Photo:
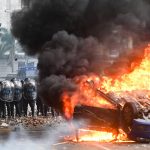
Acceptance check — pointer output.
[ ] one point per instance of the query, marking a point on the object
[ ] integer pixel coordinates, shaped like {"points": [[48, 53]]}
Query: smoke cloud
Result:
{"points": [[70, 37], [63, 58], [36, 25]]}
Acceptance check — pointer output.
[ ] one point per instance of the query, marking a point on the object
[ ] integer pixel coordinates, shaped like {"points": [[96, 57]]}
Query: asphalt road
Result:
{"points": [[51, 139], [44, 140], [100, 146]]}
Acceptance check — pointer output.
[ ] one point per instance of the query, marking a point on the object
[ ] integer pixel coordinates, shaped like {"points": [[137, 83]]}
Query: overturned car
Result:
{"points": [[131, 112]]}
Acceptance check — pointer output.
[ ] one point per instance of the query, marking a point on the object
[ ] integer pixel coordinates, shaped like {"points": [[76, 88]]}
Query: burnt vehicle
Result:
{"points": [[131, 112], [136, 115]]}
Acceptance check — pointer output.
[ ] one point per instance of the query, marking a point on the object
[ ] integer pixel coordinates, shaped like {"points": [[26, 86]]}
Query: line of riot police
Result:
{"points": [[16, 95]]}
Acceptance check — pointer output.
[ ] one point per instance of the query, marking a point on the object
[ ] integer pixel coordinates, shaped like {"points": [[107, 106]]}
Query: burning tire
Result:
{"points": [[129, 112]]}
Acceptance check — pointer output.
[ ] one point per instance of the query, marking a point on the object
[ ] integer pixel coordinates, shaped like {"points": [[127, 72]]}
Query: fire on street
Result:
{"points": [[43, 140]]}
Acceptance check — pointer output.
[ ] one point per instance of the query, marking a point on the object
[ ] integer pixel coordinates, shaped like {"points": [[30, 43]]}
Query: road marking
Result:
{"points": [[60, 143], [101, 146]]}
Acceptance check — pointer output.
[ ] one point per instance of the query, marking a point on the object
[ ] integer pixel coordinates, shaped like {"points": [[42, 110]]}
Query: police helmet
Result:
{"points": [[13, 79], [27, 79]]}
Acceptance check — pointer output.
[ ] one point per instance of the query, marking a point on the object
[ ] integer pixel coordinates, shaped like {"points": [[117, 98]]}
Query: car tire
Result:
{"points": [[129, 112]]}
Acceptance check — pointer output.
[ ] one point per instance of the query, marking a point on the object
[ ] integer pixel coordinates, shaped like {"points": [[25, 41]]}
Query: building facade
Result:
{"points": [[10, 65], [6, 8]]}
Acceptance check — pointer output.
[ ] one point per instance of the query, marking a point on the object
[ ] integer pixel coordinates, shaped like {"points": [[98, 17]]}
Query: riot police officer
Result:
{"points": [[2, 104], [41, 107], [45, 109], [17, 96], [21, 102], [29, 95], [7, 95]]}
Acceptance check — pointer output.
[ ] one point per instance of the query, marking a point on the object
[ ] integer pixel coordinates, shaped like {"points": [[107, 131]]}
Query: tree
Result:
{"points": [[6, 42]]}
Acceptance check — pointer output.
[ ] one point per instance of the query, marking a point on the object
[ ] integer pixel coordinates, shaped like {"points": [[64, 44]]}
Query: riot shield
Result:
{"points": [[17, 91], [6, 93], [30, 90]]}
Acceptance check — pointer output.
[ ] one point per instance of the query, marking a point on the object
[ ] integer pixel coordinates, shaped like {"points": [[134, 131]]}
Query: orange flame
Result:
{"points": [[138, 79], [86, 93], [86, 135], [97, 136], [69, 102]]}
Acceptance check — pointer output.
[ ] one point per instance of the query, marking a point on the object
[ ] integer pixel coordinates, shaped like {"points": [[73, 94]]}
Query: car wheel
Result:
{"points": [[129, 112]]}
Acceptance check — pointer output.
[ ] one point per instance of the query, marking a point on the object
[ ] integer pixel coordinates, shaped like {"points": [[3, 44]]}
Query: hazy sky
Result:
{"points": [[6, 7]]}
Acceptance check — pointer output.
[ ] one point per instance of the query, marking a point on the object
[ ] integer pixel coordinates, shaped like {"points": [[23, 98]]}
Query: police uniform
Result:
{"points": [[45, 109], [29, 95], [7, 95], [21, 102], [17, 96], [41, 107]]}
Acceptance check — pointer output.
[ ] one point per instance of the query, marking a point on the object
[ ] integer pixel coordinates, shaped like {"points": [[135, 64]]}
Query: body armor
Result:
{"points": [[7, 88], [29, 90], [17, 90]]}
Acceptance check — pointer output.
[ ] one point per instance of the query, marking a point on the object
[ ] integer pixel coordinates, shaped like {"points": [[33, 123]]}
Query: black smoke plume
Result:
{"points": [[63, 58], [36, 25], [67, 36]]}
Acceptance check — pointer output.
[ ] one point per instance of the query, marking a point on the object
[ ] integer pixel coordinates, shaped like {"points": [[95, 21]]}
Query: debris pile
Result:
{"points": [[34, 123], [40, 122]]}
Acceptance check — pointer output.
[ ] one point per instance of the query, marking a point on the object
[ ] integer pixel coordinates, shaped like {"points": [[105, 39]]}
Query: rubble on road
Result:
{"points": [[33, 123], [4, 127]]}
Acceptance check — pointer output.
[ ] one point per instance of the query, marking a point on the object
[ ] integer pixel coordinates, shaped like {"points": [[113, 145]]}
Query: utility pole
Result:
{"points": [[12, 56]]}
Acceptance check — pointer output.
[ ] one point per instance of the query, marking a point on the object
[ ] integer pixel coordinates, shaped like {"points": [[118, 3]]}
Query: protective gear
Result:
{"points": [[2, 109], [6, 96], [29, 95], [13, 79], [17, 97], [41, 107], [21, 102], [7, 91], [17, 90], [29, 90], [26, 80], [22, 82]]}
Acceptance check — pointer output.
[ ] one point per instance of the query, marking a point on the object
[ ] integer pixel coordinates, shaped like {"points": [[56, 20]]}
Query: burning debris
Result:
{"points": [[87, 135]]}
